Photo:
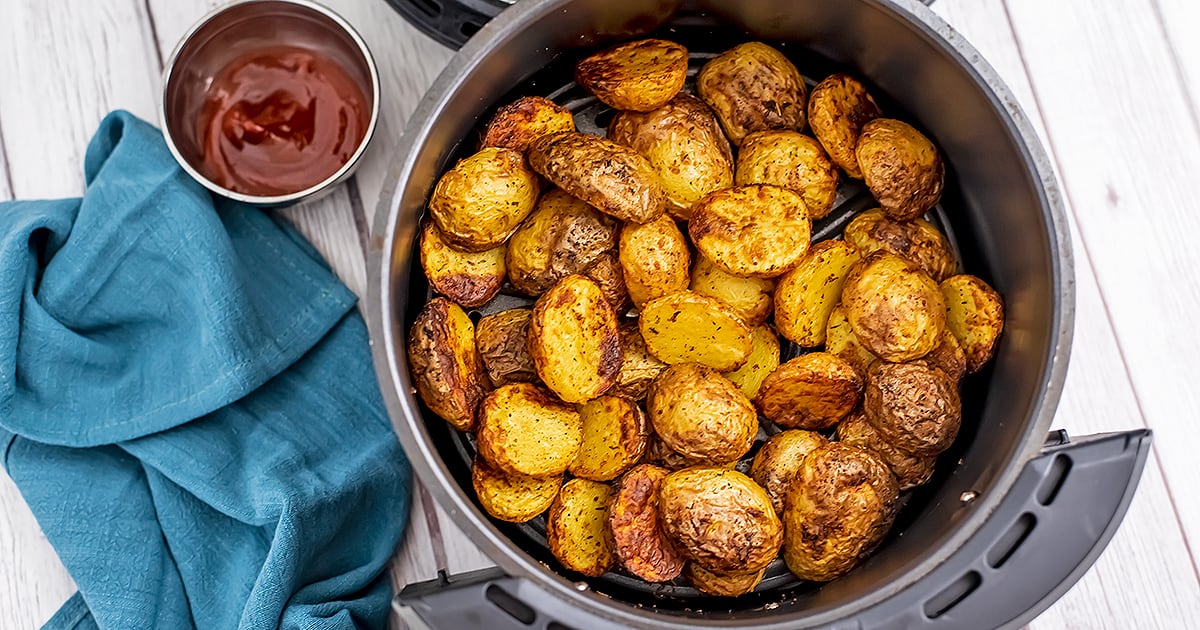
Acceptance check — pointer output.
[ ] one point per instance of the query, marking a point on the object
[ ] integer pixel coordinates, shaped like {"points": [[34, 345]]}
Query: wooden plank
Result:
{"points": [[1180, 19], [33, 582]]}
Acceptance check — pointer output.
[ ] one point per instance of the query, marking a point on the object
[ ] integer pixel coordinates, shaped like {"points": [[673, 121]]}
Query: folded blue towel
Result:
{"points": [[187, 404]]}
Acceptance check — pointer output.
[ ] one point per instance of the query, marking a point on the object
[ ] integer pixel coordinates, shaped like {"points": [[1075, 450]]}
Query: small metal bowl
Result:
{"points": [[227, 33]]}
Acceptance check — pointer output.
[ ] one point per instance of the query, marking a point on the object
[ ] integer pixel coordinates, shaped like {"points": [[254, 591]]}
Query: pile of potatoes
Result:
{"points": [[667, 261]]}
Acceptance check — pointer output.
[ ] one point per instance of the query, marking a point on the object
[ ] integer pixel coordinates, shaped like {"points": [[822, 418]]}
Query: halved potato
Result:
{"points": [[778, 460], [913, 406], [688, 327], [949, 356], [577, 530], [750, 298], [807, 295], [753, 87], [917, 241], [790, 160], [613, 178], [720, 519], [524, 120], [901, 168], [654, 259], [607, 273], [615, 433], [896, 310], [469, 279], [841, 341], [701, 414], [722, 584], [764, 358], [643, 548], [759, 231], [812, 391], [838, 108], [503, 342], [562, 236], [638, 367], [480, 202], [910, 470], [975, 314], [445, 363], [524, 430], [638, 76], [512, 498], [574, 341]]}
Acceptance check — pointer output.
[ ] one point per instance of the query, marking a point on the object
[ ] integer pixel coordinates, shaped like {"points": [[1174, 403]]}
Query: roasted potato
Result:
{"points": [[638, 367], [562, 236], [780, 458], [503, 342], [790, 160], [469, 279], [910, 470], [615, 433], [683, 142], [480, 202], [577, 530], [574, 341], [896, 310], [720, 519], [607, 273], [663, 456], [688, 327], [512, 498], [613, 178], [701, 414], [722, 584], [654, 259], [812, 391], [524, 430], [753, 87], [917, 241], [975, 314], [637, 76], [445, 364], [644, 550], [913, 406], [838, 108], [807, 295], [901, 168], [838, 509], [948, 356], [750, 298], [524, 120], [841, 341], [757, 231], [764, 358]]}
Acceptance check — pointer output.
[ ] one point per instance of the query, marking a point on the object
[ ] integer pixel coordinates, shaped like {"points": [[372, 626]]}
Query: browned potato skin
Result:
{"points": [[838, 108], [749, 297], [574, 341], [524, 120], [654, 259], [812, 391], [644, 550], [895, 309], [910, 470], [757, 231], [445, 364], [790, 160], [637, 76], [975, 314], [913, 406], [512, 498], [562, 236], [917, 241], [701, 414], [480, 202], [753, 87], [525, 430], [777, 462], [503, 345], [722, 584], [683, 142], [764, 358], [607, 273], [469, 279], [807, 294], [663, 456], [615, 433], [638, 367], [842, 341], [948, 356], [687, 327], [839, 508], [720, 519], [901, 167], [577, 530], [613, 178]]}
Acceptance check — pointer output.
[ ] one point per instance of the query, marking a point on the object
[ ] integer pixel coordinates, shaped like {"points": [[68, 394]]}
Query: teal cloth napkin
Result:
{"points": [[188, 406]]}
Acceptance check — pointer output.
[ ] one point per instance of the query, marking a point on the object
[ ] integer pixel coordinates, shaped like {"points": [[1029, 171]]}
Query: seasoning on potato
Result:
{"points": [[524, 120], [615, 433], [574, 341], [445, 364], [812, 391], [790, 160], [577, 530], [838, 108], [901, 168], [634, 516], [948, 356], [480, 202], [562, 236], [975, 314], [637, 76], [764, 358], [503, 343], [722, 584], [663, 456], [750, 298], [895, 309], [525, 430], [512, 498], [841, 341], [701, 414], [613, 178], [806, 296], [779, 459], [654, 259], [753, 87], [720, 519], [910, 470], [913, 406], [756, 231], [607, 273], [917, 241], [469, 279], [638, 367], [687, 327]]}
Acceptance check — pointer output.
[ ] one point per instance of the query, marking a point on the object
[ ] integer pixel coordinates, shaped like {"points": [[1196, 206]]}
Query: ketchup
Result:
{"points": [[278, 120]]}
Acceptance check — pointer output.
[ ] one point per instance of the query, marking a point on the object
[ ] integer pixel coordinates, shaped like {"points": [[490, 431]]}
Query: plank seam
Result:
{"points": [[359, 213], [158, 53], [1176, 65], [8, 178]]}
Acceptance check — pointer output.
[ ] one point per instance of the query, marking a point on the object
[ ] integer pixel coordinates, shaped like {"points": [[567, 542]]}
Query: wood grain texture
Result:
{"points": [[1180, 19]]}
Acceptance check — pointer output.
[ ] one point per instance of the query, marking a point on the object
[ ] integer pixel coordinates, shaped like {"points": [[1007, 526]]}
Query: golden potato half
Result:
{"points": [[613, 178], [901, 168], [758, 231], [525, 430], [687, 327], [910, 470], [503, 342], [701, 414], [469, 279], [654, 259], [445, 363], [753, 87], [914, 407], [643, 548], [480, 202], [636, 76], [896, 310], [812, 391], [838, 509], [683, 142], [577, 530], [607, 273], [764, 358], [720, 519], [841, 341], [722, 584], [838, 108], [777, 462], [512, 498], [917, 241], [975, 314], [750, 298], [615, 433], [638, 367], [562, 236], [806, 296], [790, 160], [524, 120], [574, 341]]}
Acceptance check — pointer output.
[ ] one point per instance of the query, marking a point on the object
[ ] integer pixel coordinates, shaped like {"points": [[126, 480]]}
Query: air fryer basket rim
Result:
{"points": [[387, 336]]}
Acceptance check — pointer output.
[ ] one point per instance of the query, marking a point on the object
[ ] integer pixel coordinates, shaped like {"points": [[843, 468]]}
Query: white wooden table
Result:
{"points": [[1112, 87]]}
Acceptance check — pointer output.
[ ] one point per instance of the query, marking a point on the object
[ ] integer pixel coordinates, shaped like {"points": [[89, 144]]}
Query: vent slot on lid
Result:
{"points": [[1055, 477], [950, 596], [1012, 539], [509, 604]]}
